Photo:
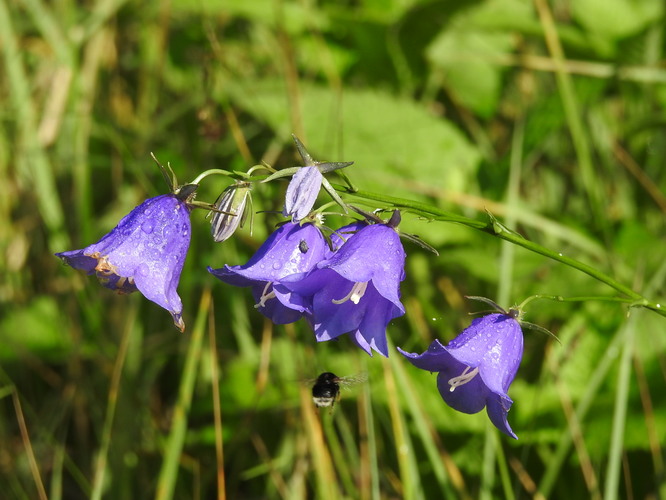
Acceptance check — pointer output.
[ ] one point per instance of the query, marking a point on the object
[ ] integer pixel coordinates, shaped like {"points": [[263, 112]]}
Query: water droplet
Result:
{"points": [[276, 265], [148, 226], [142, 270]]}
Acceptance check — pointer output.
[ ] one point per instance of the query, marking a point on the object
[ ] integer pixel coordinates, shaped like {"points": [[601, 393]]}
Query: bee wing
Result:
{"points": [[352, 380], [309, 382]]}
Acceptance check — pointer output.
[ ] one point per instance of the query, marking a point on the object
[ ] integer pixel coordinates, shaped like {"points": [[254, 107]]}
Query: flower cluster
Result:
{"points": [[352, 287], [343, 282]]}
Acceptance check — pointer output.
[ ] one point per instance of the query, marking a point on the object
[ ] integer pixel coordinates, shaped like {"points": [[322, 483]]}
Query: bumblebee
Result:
{"points": [[326, 388]]}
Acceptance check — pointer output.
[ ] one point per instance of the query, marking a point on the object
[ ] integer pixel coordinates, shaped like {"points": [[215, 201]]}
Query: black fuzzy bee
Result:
{"points": [[326, 388]]}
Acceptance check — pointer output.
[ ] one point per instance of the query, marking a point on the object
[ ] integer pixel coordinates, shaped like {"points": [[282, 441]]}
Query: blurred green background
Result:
{"points": [[549, 114]]}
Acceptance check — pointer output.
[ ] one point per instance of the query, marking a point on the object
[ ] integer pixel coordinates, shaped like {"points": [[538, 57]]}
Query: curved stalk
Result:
{"points": [[495, 228]]}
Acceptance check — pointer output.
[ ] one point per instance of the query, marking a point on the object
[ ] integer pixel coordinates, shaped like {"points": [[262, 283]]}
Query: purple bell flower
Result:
{"points": [[477, 367], [356, 290], [145, 251], [292, 249], [302, 192]]}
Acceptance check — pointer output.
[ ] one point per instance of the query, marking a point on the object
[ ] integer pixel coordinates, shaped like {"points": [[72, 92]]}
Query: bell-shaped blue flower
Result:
{"points": [[477, 367], [356, 290], [145, 251], [292, 249]]}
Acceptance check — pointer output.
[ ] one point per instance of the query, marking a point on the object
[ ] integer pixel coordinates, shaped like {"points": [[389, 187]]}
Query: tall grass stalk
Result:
{"points": [[573, 113], [411, 488], [101, 463], [168, 475], [32, 162], [217, 412], [616, 448]]}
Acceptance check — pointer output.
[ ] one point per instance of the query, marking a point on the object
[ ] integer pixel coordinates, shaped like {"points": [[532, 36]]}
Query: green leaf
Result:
{"points": [[616, 19], [466, 60], [395, 141], [398, 145], [35, 329], [467, 51]]}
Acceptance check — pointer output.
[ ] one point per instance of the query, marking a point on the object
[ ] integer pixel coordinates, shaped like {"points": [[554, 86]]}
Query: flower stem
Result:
{"points": [[561, 298], [212, 171], [496, 228]]}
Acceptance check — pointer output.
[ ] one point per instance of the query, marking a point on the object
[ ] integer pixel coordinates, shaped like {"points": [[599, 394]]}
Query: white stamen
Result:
{"points": [[265, 296], [355, 295], [463, 378]]}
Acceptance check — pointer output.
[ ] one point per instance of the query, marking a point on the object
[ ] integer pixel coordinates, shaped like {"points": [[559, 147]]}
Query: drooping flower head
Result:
{"points": [[292, 249], [145, 251], [477, 367], [357, 289]]}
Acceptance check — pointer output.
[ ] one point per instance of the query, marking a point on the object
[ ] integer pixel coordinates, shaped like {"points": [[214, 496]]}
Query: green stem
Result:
{"points": [[561, 298], [212, 171], [495, 228], [236, 174]]}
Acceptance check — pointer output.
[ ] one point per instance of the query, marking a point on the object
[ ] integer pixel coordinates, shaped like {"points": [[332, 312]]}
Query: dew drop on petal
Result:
{"points": [[148, 226], [276, 265], [142, 270]]}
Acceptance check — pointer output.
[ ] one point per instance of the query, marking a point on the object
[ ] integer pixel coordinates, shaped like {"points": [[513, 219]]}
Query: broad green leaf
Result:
{"points": [[615, 19], [394, 142], [468, 50], [467, 60], [398, 146]]}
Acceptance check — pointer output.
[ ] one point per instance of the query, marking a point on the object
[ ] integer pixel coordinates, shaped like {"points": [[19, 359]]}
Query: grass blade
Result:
{"points": [[166, 482]]}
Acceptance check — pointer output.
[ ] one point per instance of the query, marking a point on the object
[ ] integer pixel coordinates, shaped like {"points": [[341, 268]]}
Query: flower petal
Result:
{"points": [[373, 253], [290, 249], [494, 343], [498, 407], [340, 236], [435, 359], [273, 308]]}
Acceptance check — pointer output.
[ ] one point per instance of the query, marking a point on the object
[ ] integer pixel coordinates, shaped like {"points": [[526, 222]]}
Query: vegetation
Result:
{"points": [[549, 116]]}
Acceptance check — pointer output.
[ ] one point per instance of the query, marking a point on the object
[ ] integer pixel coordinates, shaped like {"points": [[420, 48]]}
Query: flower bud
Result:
{"points": [[230, 211]]}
